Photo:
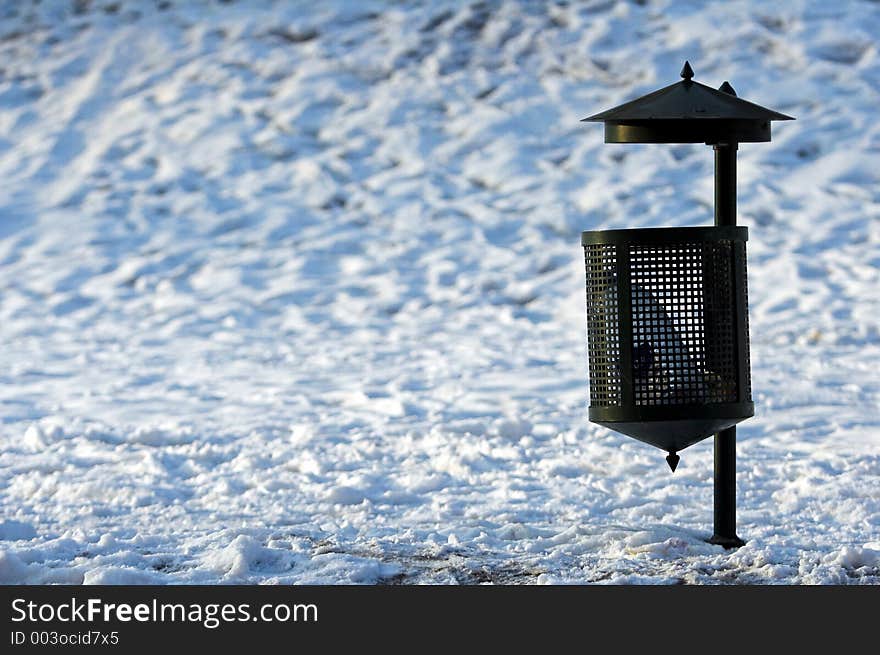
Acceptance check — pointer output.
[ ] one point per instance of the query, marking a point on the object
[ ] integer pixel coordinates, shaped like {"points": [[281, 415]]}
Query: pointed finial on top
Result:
{"points": [[726, 88], [687, 72], [673, 460]]}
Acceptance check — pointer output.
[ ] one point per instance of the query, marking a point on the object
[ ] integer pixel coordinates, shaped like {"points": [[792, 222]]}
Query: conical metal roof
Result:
{"points": [[688, 112]]}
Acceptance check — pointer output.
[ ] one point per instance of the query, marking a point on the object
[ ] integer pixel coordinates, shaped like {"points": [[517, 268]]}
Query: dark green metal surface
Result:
{"points": [[724, 533], [688, 112], [661, 236]]}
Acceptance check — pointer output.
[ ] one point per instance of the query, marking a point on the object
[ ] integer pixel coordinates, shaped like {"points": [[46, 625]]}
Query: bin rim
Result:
{"points": [[659, 236], [621, 414]]}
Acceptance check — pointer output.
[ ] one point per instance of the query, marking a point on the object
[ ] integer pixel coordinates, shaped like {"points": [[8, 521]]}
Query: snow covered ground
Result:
{"points": [[293, 293]]}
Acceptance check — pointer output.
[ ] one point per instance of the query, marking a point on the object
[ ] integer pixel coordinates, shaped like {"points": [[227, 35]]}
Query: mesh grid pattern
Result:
{"points": [[603, 339], [683, 348], [745, 290], [683, 323]]}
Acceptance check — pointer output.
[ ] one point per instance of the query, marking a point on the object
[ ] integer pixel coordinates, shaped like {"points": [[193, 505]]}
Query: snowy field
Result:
{"points": [[294, 293]]}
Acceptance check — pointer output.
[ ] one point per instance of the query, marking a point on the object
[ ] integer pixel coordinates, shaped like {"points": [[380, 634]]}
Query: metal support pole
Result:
{"points": [[725, 441]]}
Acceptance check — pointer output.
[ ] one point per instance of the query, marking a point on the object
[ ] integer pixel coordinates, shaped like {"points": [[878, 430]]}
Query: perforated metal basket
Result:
{"points": [[667, 332]]}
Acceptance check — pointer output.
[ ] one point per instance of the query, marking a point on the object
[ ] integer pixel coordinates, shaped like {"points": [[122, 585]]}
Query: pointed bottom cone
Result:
{"points": [[673, 460], [672, 435]]}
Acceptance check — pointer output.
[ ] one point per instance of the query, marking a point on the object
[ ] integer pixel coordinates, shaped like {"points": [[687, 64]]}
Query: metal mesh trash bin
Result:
{"points": [[667, 332], [667, 312]]}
